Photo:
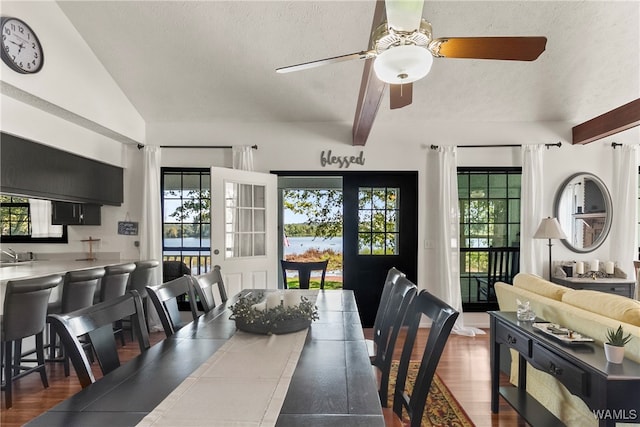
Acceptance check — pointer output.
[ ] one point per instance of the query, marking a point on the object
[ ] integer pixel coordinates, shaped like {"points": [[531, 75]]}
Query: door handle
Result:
{"points": [[216, 252]]}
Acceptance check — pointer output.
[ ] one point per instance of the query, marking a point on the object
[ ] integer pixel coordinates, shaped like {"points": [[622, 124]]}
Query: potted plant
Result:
{"points": [[614, 347]]}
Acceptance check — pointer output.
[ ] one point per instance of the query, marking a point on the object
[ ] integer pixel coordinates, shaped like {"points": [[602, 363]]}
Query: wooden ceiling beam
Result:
{"points": [[371, 89], [609, 123]]}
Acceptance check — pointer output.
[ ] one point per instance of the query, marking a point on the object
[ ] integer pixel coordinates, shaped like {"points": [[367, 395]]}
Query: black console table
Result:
{"points": [[624, 287], [611, 391]]}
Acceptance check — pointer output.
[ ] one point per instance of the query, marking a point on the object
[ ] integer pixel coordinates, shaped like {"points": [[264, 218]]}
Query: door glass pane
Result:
{"points": [[377, 215], [247, 222]]}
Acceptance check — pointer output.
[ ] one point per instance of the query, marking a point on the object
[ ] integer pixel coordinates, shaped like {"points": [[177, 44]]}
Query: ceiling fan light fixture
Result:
{"points": [[403, 64]]}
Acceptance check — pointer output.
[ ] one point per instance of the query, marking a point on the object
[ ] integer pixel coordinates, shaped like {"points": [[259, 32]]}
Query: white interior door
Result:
{"points": [[244, 228]]}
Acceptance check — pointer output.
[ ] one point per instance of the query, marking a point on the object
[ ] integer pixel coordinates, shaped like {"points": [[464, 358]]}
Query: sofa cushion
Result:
{"points": [[609, 305], [540, 286]]}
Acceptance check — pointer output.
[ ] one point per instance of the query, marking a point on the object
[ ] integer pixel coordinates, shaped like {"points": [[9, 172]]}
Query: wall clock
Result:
{"points": [[21, 49]]}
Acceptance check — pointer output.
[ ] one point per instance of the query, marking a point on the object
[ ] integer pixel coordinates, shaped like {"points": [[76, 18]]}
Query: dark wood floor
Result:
{"points": [[464, 368]]}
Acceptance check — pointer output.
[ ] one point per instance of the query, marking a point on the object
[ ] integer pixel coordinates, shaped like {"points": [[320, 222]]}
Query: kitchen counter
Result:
{"points": [[29, 269]]}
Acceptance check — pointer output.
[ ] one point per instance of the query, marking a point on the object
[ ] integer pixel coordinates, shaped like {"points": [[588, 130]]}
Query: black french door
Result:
{"points": [[380, 232]]}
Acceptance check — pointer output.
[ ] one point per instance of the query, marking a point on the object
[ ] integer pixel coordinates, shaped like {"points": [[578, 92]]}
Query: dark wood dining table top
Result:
{"points": [[333, 383]]}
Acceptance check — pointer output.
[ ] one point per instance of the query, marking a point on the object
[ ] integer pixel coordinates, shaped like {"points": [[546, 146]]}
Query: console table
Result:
{"points": [[624, 287], [611, 390]]}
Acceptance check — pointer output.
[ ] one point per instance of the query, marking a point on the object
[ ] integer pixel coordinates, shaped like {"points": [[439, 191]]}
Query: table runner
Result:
{"points": [[244, 383]]}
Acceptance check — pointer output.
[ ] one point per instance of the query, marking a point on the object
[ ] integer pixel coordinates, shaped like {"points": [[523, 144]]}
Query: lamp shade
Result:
{"points": [[403, 64], [549, 228]]}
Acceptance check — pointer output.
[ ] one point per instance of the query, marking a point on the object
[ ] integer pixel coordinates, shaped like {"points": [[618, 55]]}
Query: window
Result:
{"points": [[378, 226], [15, 220], [245, 220], [186, 213], [489, 200]]}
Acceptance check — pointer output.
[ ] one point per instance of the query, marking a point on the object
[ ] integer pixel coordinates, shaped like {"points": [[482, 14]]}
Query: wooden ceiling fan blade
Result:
{"points": [[404, 15], [313, 64], [400, 95], [504, 48]]}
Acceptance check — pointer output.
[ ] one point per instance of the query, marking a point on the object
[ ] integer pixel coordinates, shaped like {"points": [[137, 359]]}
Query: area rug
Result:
{"points": [[442, 409]]}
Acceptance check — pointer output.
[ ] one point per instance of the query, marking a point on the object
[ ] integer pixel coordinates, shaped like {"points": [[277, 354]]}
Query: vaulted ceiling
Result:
{"points": [[215, 61]]}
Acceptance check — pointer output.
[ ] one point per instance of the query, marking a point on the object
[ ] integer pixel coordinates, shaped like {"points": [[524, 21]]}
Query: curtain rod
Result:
{"points": [[141, 146], [616, 144], [557, 144]]}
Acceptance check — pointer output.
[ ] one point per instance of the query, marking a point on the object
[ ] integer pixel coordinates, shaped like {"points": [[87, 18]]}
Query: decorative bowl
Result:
{"points": [[281, 327], [252, 314]]}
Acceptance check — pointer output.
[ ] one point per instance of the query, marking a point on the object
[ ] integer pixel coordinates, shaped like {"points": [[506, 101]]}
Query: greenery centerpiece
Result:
{"points": [[252, 315], [614, 346]]}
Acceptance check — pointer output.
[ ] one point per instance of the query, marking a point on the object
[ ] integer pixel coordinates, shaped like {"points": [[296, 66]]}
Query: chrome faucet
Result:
{"points": [[11, 254]]}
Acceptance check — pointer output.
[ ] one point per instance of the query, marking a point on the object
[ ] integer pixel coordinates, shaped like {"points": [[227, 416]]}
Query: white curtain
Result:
{"points": [[151, 229], [625, 196], [531, 250], [447, 277], [40, 211], [242, 157]]}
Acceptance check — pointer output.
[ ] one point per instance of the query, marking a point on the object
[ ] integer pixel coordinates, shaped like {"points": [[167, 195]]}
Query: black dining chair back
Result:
{"points": [[164, 299], [96, 322], [206, 285], [304, 270], [383, 312], [24, 314], [399, 299], [442, 317]]}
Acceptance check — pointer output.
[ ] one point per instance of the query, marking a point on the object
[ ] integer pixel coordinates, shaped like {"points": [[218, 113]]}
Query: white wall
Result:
{"points": [[71, 78], [73, 87]]}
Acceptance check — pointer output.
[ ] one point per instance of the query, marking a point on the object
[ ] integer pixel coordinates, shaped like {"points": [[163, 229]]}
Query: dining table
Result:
{"points": [[210, 373]]}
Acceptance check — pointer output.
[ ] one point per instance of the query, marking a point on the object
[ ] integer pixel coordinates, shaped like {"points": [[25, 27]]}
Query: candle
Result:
{"points": [[595, 265], [609, 267], [291, 298], [261, 306], [274, 299], [579, 267]]}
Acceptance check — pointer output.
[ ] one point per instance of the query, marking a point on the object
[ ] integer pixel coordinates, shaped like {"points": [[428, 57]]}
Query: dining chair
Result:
{"points": [[383, 310], [114, 285], [304, 270], [96, 323], [164, 298], [205, 285], [78, 291], [24, 314], [399, 300], [442, 318]]}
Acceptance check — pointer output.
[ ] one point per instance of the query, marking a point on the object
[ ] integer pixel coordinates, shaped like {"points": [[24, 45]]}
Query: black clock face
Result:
{"points": [[21, 49]]}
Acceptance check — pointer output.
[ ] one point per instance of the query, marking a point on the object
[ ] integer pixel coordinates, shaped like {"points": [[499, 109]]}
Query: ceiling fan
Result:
{"points": [[402, 50]]}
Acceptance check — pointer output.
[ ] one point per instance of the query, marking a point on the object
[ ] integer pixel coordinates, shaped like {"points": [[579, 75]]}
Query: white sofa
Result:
{"points": [[588, 312]]}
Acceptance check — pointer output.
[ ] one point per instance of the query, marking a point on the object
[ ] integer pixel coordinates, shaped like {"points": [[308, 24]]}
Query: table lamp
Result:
{"points": [[549, 229]]}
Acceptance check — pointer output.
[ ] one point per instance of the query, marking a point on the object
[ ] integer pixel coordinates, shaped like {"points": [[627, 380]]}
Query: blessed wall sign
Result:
{"points": [[328, 159]]}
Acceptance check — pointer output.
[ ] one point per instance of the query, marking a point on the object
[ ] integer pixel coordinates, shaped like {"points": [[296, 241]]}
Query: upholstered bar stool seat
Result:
{"points": [[78, 290], [140, 278], [25, 310], [114, 285]]}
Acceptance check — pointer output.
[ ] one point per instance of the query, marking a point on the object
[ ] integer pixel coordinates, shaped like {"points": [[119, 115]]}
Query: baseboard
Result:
{"points": [[477, 320]]}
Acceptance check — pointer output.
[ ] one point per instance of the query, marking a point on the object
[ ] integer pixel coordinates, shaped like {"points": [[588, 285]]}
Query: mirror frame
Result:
{"points": [[607, 204]]}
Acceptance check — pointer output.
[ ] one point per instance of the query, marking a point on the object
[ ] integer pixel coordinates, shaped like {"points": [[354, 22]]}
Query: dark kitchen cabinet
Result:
{"points": [[66, 213]]}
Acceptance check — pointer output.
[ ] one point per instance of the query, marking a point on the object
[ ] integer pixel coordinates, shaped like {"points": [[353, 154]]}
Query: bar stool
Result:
{"points": [[25, 310], [114, 285], [140, 278], [78, 290]]}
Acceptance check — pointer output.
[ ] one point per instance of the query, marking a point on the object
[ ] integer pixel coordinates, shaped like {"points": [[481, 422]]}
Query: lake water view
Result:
{"points": [[297, 245]]}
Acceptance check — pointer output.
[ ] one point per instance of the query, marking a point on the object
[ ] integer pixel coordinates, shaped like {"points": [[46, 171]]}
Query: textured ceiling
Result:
{"points": [[215, 61]]}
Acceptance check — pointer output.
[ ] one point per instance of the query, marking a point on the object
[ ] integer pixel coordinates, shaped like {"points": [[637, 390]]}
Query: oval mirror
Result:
{"points": [[584, 210]]}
